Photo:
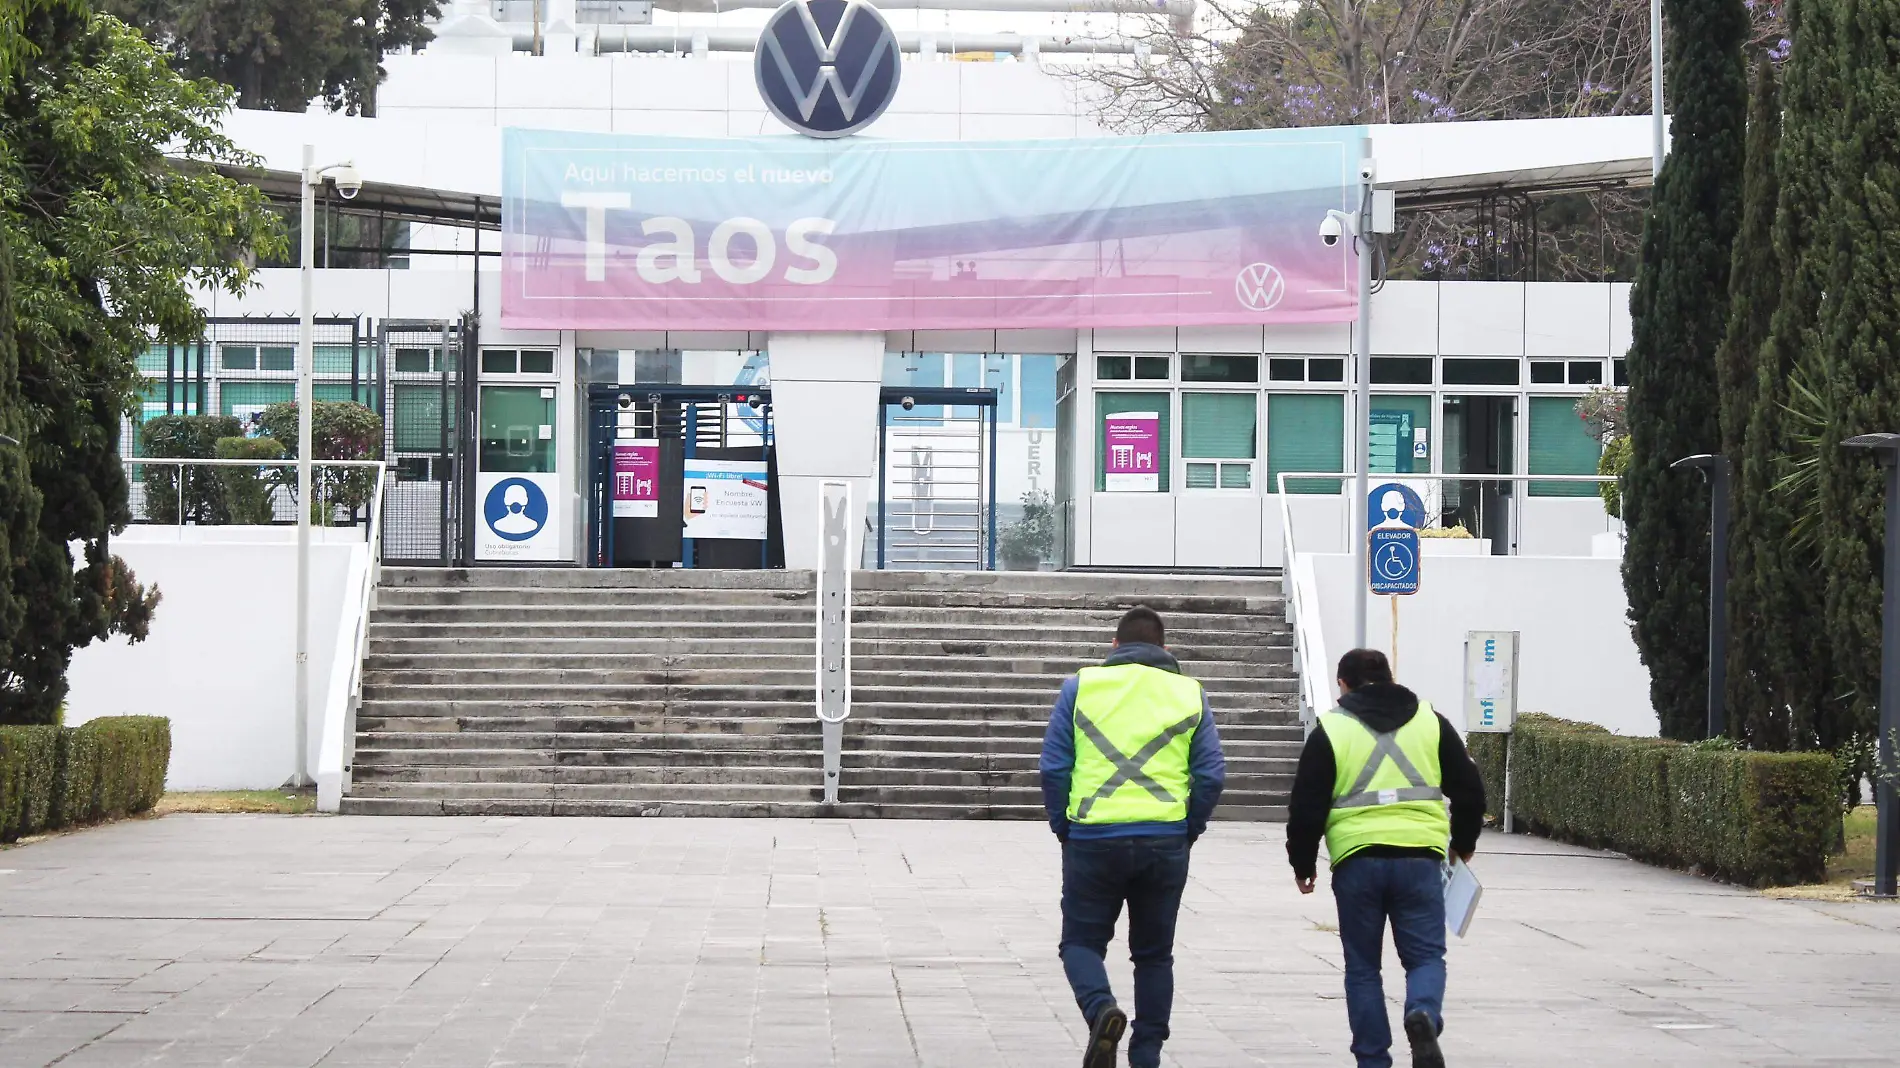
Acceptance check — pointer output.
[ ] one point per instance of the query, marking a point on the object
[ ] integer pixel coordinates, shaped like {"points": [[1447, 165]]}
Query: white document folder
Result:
{"points": [[1462, 891]]}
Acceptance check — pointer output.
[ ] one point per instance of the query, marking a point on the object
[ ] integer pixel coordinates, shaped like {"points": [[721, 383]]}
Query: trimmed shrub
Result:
{"points": [[1764, 819], [28, 757], [52, 777], [247, 490], [197, 489]]}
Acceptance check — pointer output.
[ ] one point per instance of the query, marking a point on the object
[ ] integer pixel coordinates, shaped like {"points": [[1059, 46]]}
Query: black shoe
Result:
{"points": [[1105, 1037], [1423, 1035]]}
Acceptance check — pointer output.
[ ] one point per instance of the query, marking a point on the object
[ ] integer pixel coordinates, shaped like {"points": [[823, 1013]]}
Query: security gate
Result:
{"points": [[421, 363], [657, 458], [936, 506]]}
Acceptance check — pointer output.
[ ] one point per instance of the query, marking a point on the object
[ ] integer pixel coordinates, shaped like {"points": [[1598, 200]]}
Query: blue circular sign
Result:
{"points": [[516, 509], [1394, 504], [827, 68]]}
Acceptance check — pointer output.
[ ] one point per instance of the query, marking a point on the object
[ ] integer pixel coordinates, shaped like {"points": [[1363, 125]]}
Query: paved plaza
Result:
{"points": [[272, 942]]}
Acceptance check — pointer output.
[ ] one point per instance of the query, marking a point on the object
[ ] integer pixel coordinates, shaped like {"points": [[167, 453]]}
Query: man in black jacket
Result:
{"points": [[1373, 779]]}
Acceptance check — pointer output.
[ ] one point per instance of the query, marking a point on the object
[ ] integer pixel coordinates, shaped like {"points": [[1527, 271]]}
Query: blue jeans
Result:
{"points": [[1411, 891], [1097, 876]]}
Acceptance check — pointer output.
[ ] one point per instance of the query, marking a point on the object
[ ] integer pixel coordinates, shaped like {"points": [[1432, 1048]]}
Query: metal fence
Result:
{"points": [[229, 493]]}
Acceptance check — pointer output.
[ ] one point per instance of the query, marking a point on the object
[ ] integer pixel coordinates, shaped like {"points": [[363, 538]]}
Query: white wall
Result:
{"points": [[219, 663], [824, 412], [1576, 657]]}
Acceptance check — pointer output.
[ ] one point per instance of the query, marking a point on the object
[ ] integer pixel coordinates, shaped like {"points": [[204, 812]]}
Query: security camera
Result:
{"points": [[908, 403], [625, 402], [349, 181], [753, 402], [1331, 230], [1366, 170]]}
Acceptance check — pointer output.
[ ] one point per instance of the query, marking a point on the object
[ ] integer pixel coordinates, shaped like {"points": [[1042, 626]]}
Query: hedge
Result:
{"points": [[52, 777], [1763, 819]]}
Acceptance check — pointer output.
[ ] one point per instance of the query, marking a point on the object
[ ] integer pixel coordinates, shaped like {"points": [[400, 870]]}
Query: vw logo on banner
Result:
{"points": [[827, 68], [1260, 286]]}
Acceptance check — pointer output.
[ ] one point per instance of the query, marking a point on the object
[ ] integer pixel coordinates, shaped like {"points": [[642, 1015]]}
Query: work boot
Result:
{"points": [[1422, 1033], [1105, 1037]]}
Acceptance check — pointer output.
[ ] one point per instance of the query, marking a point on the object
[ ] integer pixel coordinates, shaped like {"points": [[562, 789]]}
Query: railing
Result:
{"points": [[1300, 580], [235, 493], [336, 752]]}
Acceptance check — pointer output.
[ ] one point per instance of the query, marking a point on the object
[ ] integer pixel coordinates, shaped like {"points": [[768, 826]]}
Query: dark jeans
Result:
{"points": [[1097, 876], [1411, 891]]}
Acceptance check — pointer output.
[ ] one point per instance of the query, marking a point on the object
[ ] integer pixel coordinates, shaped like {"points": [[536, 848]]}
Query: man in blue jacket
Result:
{"points": [[1131, 771]]}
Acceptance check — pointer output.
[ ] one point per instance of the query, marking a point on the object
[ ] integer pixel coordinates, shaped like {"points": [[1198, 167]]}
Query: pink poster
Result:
{"points": [[1131, 452], [637, 479]]}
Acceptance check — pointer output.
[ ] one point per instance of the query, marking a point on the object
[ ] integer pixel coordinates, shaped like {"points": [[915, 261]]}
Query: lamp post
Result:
{"points": [[1375, 215], [1887, 818], [348, 183], [1656, 82], [1716, 470]]}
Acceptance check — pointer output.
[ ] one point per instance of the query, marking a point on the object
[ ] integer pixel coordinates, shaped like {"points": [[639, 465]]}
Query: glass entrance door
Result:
{"points": [[1479, 438]]}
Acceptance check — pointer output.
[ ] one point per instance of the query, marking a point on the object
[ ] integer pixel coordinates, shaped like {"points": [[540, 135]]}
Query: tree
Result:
{"points": [[1856, 331], [282, 54], [110, 242], [1679, 313], [1748, 431]]}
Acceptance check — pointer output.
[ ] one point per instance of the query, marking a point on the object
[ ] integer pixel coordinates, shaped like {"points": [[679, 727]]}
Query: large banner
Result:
{"points": [[607, 231]]}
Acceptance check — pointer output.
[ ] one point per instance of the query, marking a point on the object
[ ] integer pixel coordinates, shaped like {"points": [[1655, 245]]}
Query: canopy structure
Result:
{"points": [[450, 173]]}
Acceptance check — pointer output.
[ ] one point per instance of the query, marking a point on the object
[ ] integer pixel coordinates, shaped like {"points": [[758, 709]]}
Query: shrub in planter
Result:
{"points": [[197, 489], [342, 430], [247, 490]]}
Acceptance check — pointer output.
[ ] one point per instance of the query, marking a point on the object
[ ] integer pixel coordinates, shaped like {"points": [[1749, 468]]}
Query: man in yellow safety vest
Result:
{"points": [[1375, 777], [1131, 771]]}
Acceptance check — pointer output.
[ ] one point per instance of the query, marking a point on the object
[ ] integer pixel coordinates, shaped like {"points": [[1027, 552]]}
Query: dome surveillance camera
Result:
{"points": [[1331, 229], [753, 402], [908, 403], [349, 181], [625, 402]]}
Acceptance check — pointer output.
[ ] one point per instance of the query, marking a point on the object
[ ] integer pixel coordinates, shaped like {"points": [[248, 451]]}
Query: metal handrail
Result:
{"points": [[1299, 582], [340, 711]]}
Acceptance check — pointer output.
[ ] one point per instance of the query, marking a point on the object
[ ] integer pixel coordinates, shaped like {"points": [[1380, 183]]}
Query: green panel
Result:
{"points": [[1395, 421], [1219, 426], [335, 359], [247, 395], [1305, 432], [1116, 402], [277, 358], [417, 416], [1561, 445], [341, 391], [512, 417]]}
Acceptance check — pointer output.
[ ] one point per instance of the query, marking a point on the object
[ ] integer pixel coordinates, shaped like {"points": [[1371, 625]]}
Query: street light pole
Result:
{"points": [[1886, 804], [306, 360], [1716, 470], [1362, 418], [1656, 83]]}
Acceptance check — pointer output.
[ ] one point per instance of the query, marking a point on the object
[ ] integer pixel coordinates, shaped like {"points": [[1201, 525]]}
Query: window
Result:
{"points": [[1303, 369], [1547, 373], [517, 433], [416, 417], [1620, 372], [1400, 431], [1038, 388], [1115, 403], [422, 361], [1151, 368], [1218, 436], [1286, 369], [1586, 372], [244, 398], [238, 357], [338, 359], [1561, 445], [1330, 369], [916, 370], [517, 361], [1402, 370], [1114, 368], [984, 370], [1473, 371], [1305, 432], [1219, 368]]}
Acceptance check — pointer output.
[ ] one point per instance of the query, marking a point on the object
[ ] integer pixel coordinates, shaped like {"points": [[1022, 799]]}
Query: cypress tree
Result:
{"points": [[1859, 318], [1754, 286], [1679, 311], [1797, 667]]}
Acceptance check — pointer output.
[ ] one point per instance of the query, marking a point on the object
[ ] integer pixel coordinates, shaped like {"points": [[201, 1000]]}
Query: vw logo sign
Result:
{"points": [[827, 68], [1259, 286]]}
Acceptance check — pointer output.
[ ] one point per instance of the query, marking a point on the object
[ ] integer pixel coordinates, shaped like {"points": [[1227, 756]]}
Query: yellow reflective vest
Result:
{"points": [[1134, 727], [1387, 788]]}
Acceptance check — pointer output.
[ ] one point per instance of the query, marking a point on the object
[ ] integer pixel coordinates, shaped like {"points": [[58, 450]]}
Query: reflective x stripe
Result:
{"points": [[1383, 746], [1129, 768]]}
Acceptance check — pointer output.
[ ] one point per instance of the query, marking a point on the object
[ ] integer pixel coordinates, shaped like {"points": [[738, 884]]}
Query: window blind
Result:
{"points": [[1305, 432], [1561, 445]]}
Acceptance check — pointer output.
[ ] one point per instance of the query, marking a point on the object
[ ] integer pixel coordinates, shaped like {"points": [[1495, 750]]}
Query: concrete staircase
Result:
{"points": [[582, 692]]}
